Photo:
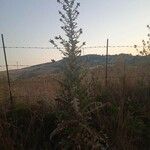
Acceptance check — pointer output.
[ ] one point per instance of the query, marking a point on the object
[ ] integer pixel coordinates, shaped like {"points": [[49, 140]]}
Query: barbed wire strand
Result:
{"points": [[86, 47]]}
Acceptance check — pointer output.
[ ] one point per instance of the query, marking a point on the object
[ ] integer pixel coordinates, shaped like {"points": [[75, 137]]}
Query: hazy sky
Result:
{"points": [[34, 22]]}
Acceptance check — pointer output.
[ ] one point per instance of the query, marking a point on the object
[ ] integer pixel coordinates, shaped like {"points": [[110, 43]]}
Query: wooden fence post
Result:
{"points": [[106, 71], [8, 78]]}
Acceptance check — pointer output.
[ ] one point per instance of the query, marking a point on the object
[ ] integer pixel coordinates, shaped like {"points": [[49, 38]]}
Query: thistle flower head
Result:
{"points": [[51, 41], [84, 43]]}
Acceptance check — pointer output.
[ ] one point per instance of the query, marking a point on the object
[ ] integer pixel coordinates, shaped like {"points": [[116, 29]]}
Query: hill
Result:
{"points": [[89, 61]]}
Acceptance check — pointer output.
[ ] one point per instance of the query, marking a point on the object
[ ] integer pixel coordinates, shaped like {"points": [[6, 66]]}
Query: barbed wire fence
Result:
{"points": [[99, 48], [85, 51], [18, 65]]}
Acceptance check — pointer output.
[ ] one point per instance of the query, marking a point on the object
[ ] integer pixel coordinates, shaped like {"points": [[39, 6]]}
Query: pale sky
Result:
{"points": [[34, 22]]}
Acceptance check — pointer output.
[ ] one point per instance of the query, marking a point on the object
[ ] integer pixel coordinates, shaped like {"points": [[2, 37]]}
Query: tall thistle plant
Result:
{"points": [[73, 129], [70, 44]]}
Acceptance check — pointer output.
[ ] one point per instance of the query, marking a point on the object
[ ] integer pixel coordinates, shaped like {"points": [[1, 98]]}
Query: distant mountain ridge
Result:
{"points": [[87, 61]]}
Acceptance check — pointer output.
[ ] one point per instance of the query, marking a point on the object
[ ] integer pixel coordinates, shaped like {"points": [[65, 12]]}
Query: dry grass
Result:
{"points": [[126, 120]]}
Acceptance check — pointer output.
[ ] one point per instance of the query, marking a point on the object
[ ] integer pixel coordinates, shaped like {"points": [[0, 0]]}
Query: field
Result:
{"points": [[125, 119]]}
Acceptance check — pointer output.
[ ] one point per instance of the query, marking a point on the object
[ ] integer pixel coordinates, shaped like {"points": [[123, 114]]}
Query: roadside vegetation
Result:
{"points": [[75, 109]]}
